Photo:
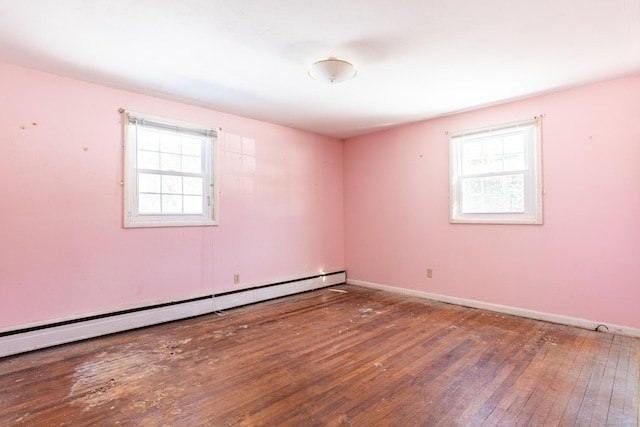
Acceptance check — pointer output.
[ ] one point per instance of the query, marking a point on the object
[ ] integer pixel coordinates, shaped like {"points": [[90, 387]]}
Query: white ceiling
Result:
{"points": [[416, 59]]}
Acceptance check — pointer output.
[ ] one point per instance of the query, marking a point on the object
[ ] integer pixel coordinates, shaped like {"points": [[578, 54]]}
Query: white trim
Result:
{"points": [[80, 329], [537, 315]]}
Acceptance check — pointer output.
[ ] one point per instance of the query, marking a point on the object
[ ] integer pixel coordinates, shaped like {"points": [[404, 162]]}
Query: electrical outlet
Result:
{"points": [[429, 273], [236, 278]]}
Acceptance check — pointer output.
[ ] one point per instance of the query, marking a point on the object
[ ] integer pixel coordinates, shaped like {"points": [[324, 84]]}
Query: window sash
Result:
{"points": [[178, 203], [531, 193]]}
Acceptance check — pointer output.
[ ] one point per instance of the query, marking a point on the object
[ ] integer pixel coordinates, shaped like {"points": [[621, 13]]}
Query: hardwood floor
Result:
{"points": [[327, 358]]}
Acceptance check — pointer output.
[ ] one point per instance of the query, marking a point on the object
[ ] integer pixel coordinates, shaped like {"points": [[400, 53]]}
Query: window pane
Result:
{"points": [[514, 202], [492, 163], [472, 148], [191, 164], [492, 146], [514, 161], [192, 186], [192, 204], [147, 140], [191, 146], [514, 193], [148, 159], [495, 194], [514, 183], [170, 144], [171, 184], [149, 203], [171, 204], [148, 183], [170, 162], [472, 186], [492, 185], [492, 203], [514, 151], [472, 157], [514, 143], [472, 204], [495, 154]]}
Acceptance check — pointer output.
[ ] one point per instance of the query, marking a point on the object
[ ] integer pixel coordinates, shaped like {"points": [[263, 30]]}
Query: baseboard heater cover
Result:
{"points": [[62, 332]]}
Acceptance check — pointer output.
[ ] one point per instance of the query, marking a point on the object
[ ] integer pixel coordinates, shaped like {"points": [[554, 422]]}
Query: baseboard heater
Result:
{"points": [[65, 331]]}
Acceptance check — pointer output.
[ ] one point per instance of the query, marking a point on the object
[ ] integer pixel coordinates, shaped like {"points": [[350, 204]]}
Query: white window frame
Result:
{"points": [[132, 217], [532, 174]]}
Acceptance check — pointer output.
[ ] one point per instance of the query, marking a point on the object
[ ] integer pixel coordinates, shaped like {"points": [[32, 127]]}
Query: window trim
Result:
{"points": [[533, 193], [133, 219]]}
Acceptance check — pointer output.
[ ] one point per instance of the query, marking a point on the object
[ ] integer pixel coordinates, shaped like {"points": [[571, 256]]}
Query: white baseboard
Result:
{"points": [[62, 331], [547, 317]]}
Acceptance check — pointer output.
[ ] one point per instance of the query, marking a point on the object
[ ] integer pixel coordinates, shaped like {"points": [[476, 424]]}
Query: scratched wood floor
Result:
{"points": [[326, 358]]}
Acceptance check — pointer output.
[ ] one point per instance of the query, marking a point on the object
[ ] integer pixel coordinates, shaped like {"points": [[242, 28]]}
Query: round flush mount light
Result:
{"points": [[332, 70]]}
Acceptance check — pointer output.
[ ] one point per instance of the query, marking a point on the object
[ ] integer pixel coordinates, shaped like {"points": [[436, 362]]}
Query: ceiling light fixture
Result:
{"points": [[332, 70]]}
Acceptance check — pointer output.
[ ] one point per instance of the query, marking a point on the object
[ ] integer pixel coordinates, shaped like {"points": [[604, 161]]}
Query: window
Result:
{"points": [[496, 174], [170, 173]]}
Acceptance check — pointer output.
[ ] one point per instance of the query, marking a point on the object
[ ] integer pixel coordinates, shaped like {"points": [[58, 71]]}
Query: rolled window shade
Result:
{"points": [[187, 129]]}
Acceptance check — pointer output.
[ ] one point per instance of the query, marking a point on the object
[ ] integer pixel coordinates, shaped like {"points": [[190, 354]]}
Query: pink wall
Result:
{"points": [[63, 251], [584, 262]]}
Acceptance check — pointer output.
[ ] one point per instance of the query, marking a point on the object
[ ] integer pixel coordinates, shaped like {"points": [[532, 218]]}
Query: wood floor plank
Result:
{"points": [[632, 390], [539, 399], [462, 395], [615, 414], [590, 398], [555, 397], [527, 345], [359, 358], [604, 394]]}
